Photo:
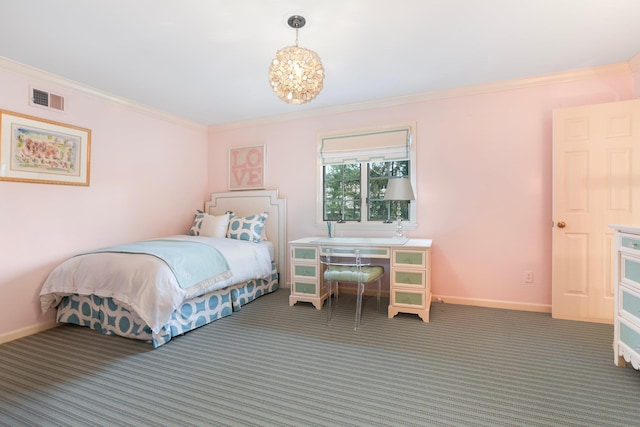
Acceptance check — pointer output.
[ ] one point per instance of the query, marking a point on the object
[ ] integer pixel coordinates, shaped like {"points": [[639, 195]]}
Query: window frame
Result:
{"points": [[365, 225]]}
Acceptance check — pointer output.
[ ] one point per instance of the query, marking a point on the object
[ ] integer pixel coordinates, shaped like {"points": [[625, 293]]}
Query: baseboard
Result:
{"points": [[507, 305], [541, 308], [24, 332]]}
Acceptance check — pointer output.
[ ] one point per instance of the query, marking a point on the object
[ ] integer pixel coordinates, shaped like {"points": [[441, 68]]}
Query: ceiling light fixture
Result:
{"points": [[296, 73]]}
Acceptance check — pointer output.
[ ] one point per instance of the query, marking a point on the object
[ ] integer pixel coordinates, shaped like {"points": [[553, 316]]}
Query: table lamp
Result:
{"points": [[399, 189]]}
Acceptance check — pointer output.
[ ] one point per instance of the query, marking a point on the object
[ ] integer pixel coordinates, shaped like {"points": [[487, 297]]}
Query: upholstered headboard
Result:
{"points": [[245, 203]]}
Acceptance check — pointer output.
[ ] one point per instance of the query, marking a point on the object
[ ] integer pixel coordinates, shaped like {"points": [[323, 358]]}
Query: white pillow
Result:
{"points": [[214, 226]]}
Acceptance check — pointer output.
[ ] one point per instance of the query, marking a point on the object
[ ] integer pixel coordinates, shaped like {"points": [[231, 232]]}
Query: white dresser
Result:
{"points": [[626, 341]]}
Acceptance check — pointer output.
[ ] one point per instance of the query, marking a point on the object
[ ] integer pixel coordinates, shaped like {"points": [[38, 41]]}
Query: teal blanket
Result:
{"points": [[191, 262]]}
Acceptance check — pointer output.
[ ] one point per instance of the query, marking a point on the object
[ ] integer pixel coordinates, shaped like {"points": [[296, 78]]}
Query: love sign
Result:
{"points": [[246, 168]]}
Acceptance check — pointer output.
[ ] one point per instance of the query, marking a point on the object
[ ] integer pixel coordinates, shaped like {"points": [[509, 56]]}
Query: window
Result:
{"points": [[345, 199], [354, 171], [378, 176], [342, 192]]}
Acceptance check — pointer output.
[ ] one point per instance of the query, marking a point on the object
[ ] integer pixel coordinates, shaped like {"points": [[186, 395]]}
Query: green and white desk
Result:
{"points": [[409, 269]]}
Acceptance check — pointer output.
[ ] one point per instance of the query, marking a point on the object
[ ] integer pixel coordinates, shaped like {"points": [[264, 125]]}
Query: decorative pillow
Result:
{"points": [[247, 227], [197, 223], [214, 226], [263, 237]]}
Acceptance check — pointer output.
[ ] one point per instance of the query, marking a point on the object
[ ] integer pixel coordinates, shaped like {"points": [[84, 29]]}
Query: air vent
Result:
{"points": [[40, 98], [46, 99]]}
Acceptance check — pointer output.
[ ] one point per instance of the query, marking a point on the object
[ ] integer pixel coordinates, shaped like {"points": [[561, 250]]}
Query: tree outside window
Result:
{"points": [[355, 192]]}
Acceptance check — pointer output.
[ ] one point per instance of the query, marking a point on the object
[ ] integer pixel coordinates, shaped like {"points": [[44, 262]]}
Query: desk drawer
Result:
{"points": [[350, 251], [409, 258], [305, 271], [409, 278], [305, 288], [304, 253], [407, 298]]}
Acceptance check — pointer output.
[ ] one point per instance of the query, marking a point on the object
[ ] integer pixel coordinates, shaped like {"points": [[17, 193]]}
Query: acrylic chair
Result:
{"points": [[349, 272]]}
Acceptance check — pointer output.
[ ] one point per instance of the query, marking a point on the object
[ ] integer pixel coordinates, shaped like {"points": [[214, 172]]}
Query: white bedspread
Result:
{"points": [[145, 283]]}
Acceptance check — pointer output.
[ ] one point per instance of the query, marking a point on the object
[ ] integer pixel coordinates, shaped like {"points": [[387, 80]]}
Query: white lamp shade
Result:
{"points": [[399, 189]]}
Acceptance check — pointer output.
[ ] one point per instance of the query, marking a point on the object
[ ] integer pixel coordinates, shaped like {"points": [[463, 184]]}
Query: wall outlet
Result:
{"points": [[528, 276]]}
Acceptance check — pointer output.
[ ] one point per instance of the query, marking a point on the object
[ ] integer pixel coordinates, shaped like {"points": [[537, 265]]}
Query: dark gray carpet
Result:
{"points": [[275, 365]]}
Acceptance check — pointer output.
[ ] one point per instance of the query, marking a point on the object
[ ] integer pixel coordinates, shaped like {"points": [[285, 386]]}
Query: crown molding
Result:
{"points": [[633, 65], [7, 64], [566, 76]]}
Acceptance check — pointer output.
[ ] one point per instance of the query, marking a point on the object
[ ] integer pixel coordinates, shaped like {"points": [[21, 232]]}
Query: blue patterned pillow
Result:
{"points": [[197, 223], [247, 227]]}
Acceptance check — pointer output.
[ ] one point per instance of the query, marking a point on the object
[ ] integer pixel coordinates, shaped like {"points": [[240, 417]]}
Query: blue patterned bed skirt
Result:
{"points": [[111, 318]]}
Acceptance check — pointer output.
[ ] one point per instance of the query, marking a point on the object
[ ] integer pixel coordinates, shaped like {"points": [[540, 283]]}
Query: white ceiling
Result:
{"points": [[207, 60]]}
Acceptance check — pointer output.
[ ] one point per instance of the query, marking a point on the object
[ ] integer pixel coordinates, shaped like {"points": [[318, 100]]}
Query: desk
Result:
{"points": [[409, 264]]}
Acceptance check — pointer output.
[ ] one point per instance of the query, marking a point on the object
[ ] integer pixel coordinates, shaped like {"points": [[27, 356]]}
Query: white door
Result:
{"points": [[596, 182]]}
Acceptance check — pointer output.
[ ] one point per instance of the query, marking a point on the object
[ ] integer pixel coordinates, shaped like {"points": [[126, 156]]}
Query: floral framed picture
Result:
{"points": [[246, 168], [43, 151]]}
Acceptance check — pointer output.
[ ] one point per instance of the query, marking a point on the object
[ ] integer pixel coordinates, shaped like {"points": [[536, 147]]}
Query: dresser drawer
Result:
{"points": [[629, 304], [630, 337], [630, 270], [630, 242]]}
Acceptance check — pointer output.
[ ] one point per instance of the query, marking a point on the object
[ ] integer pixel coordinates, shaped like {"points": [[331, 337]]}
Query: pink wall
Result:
{"points": [[483, 179], [483, 170], [147, 176]]}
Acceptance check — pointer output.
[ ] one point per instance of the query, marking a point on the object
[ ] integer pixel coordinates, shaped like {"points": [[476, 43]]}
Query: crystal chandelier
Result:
{"points": [[296, 73]]}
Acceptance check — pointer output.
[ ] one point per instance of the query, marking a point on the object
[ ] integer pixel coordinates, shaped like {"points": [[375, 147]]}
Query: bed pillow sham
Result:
{"points": [[209, 225], [214, 225], [248, 228], [197, 223]]}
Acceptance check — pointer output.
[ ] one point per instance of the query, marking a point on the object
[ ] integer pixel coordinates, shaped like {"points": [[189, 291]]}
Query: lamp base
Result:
{"points": [[399, 230]]}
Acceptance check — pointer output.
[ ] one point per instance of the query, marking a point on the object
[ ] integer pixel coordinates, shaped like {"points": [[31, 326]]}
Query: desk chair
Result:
{"points": [[353, 272]]}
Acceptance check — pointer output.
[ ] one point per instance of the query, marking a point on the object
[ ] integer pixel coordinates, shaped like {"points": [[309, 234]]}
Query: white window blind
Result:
{"points": [[372, 146]]}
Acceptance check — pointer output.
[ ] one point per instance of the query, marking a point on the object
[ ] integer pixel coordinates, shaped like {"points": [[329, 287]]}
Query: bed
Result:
{"points": [[148, 291]]}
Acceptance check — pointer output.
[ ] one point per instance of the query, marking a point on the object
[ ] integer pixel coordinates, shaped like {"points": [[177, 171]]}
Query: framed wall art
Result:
{"points": [[43, 151], [246, 168]]}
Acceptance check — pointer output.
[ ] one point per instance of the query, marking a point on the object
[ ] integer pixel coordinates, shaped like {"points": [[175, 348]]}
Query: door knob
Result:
{"points": [[562, 224]]}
